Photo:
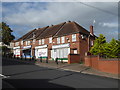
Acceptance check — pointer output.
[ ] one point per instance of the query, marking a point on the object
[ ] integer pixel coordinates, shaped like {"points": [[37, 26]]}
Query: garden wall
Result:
{"points": [[102, 64]]}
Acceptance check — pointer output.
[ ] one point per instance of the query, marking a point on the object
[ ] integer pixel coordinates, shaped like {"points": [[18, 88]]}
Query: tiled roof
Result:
{"points": [[37, 32], [26, 35], [61, 29], [71, 27], [50, 31]]}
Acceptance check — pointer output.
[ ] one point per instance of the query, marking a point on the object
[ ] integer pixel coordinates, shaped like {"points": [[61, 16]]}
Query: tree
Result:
{"points": [[6, 31], [98, 48], [112, 49]]}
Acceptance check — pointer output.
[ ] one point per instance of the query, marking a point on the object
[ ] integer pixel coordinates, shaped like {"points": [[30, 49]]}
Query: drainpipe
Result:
{"points": [[88, 42]]}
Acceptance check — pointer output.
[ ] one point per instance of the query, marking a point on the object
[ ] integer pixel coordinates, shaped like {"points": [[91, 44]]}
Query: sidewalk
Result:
{"points": [[76, 67]]}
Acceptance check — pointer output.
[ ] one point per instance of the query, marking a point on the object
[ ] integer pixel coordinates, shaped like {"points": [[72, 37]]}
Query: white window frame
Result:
{"points": [[21, 42], [39, 42], [58, 40], [73, 37], [34, 40], [43, 41], [63, 39], [50, 40], [92, 43], [28, 42], [17, 43]]}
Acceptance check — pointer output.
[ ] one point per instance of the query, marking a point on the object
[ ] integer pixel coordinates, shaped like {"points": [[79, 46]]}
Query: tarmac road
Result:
{"points": [[24, 75]]}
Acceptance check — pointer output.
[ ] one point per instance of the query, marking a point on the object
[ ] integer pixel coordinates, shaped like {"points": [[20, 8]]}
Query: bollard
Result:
{"points": [[21, 57], [46, 59], [56, 60], [40, 59]]}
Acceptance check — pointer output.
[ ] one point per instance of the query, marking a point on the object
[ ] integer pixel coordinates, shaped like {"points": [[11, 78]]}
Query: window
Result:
{"points": [[63, 39], [28, 42], [50, 40], [34, 41], [74, 37], [21, 42], [42, 41], [17, 43], [75, 51], [58, 40], [92, 43], [39, 42]]}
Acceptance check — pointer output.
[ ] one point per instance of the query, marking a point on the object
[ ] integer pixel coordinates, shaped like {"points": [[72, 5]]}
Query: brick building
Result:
{"points": [[60, 40]]}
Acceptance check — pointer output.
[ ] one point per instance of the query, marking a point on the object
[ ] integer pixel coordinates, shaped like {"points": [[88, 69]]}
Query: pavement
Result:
{"points": [[76, 67]]}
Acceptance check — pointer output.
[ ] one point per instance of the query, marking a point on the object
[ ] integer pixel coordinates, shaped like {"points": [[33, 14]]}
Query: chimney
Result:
{"points": [[91, 30]]}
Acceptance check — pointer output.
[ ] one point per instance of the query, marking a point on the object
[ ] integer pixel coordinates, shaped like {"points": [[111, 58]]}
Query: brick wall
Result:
{"points": [[73, 58], [104, 65]]}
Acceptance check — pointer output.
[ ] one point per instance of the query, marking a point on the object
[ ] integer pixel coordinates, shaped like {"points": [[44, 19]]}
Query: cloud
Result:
{"points": [[110, 25], [41, 14]]}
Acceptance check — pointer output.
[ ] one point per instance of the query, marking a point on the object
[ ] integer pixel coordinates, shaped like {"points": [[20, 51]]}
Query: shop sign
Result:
{"points": [[43, 46], [61, 46], [16, 47]]}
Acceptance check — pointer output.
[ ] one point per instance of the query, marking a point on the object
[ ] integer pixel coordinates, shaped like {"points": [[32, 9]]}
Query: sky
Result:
{"points": [[25, 16]]}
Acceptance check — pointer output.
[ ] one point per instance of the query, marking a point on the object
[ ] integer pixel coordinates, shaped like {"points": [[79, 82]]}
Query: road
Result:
{"points": [[24, 75]]}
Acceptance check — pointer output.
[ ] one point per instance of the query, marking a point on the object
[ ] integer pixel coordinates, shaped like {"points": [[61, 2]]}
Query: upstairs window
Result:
{"points": [[63, 39], [28, 43], [21, 42], [58, 40], [73, 37], [50, 40], [17, 43], [39, 42], [43, 41], [34, 41]]}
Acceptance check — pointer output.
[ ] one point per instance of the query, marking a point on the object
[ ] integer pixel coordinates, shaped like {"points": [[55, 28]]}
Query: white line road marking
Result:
{"points": [[4, 76]]}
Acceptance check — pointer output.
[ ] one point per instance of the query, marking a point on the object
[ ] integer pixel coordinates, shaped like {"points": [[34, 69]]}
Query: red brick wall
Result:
{"points": [[73, 58], [104, 65]]}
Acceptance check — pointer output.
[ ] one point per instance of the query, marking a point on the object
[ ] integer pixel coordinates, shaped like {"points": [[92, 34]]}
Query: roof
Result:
{"points": [[58, 30], [70, 28], [51, 31], [26, 35], [37, 32]]}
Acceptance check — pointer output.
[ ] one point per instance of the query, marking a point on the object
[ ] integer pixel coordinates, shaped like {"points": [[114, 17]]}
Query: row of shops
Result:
{"points": [[63, 41], [58, 51]]}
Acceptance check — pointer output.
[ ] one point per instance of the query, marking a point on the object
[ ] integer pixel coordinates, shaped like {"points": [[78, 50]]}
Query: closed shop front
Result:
{"points": [[16, 51], [60, 51], [41, 51]]}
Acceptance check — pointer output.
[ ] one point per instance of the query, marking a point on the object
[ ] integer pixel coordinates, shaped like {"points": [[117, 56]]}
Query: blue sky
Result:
{"points": [[25, 16]]}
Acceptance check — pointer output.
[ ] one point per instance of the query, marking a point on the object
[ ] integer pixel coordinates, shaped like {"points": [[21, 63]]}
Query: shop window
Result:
{"points": [[39, 42], [73, 37], [58, 40], [43, 41], [63, 39], [50, 40]]}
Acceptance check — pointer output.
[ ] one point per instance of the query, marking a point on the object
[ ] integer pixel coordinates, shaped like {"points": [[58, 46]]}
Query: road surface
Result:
{"points": [[25, 75]]}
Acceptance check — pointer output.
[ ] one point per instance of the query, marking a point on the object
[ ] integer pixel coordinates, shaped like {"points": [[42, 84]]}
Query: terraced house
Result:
{"points": [[67, 41]]}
